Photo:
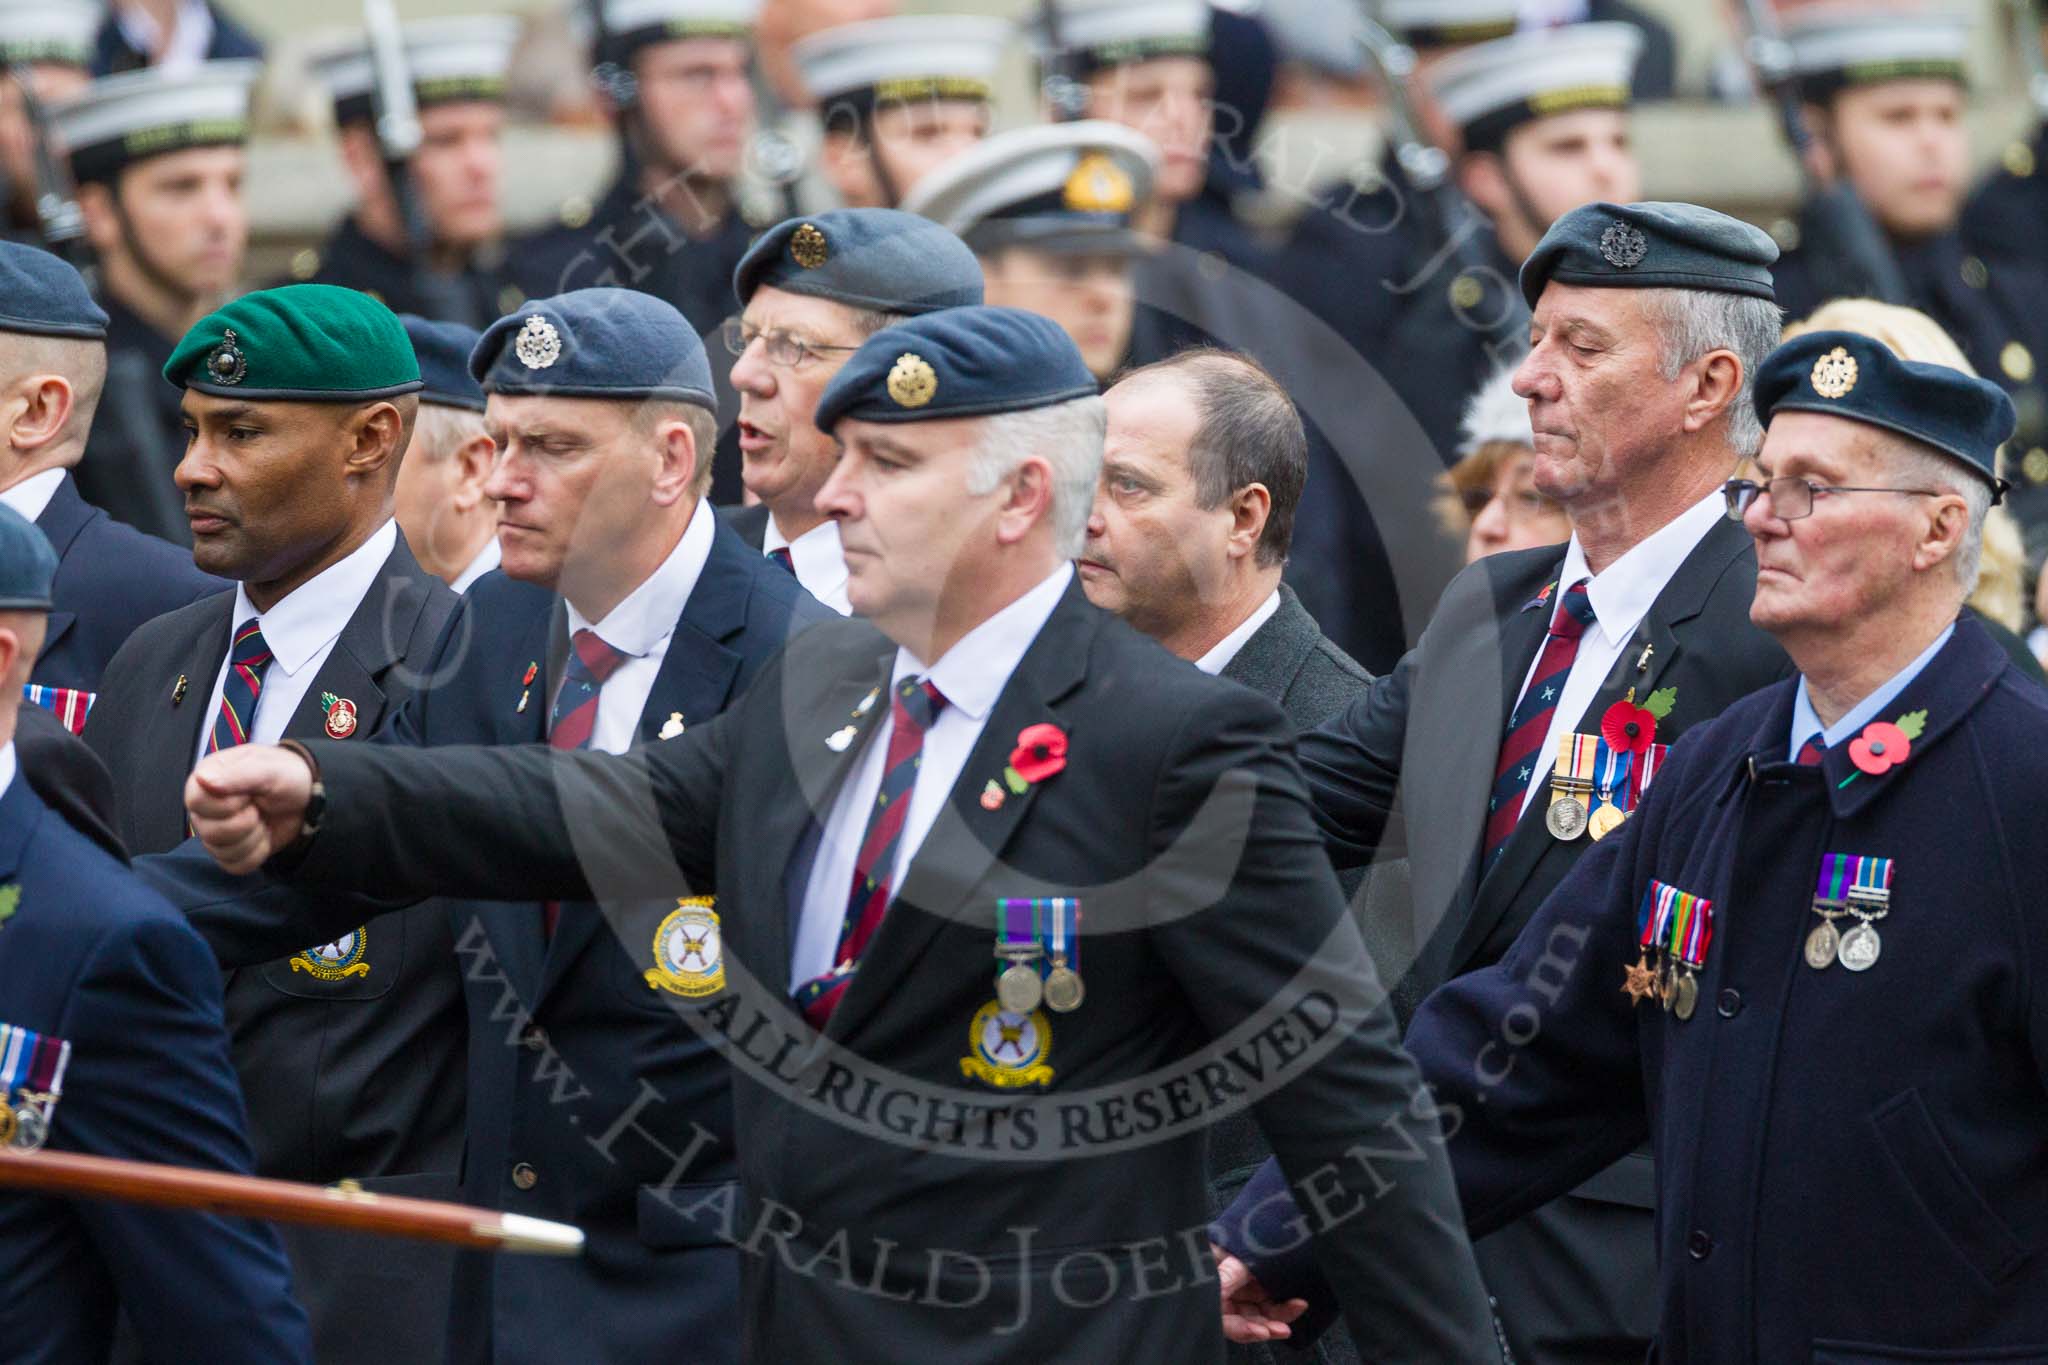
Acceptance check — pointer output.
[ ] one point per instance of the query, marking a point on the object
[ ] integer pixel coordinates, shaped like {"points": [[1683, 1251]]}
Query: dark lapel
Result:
{"points": [[20, 811], [1664, 630], [65, 516], [966, 839], [515, 930], [170, 740], [1273, 655], [374, 638], [694, 682]]}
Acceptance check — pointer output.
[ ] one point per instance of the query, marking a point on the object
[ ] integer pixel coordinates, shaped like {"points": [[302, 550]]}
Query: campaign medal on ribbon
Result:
{"points": [[1019, 987], [336, 961], [689, 958], [1610, 790], [1063, 988], [1571, 786], [1008, 1048], [1849, 887], [1679, 928], [31, 1079]]}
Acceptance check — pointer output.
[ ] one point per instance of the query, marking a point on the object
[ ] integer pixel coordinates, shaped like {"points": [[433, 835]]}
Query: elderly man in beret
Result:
{"points": [[111, 1045], [110, 577], [811, 290], [1807, 971], [625, 615], [447, 518], [298, 404], [985, 762], [1487, 756]]}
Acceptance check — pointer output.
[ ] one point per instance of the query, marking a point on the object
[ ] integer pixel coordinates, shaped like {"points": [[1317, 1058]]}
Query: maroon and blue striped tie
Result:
{"points": [[247, 658], [1810, 752], [574, 717], [913, 709], [780, 554], [1530, 720]]}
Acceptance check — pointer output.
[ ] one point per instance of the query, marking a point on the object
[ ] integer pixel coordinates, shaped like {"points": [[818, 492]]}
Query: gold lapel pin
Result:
{"points": [[178, 689]]}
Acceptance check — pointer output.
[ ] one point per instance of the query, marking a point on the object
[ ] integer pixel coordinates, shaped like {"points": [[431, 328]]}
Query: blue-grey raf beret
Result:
{"points": [[27, 564], [882, 259], [1652, 246], [1847, 374], [443, 349], [594, 343], [958, 362], [41, 294]]}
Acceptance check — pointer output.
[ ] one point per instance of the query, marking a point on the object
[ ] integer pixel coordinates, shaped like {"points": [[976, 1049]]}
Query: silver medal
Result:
{"points": [[1566, 818], [1821, 947], [1860, 947], [1018, 989]]}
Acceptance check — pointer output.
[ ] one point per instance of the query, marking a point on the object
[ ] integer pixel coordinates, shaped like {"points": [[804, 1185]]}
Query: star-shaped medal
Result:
{"points": [[1641, 983]]}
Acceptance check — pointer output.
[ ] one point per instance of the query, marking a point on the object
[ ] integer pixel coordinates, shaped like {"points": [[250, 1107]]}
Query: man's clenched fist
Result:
{"points": [[248, 803]]}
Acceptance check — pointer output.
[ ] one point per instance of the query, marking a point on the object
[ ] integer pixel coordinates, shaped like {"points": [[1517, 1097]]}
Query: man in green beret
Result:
{"points": [[298, 404]]}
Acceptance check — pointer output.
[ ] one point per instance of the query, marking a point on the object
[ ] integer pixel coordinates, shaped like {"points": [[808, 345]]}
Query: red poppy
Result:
{"points": [[1628, 728], [1881, 747], [1041, 751]]}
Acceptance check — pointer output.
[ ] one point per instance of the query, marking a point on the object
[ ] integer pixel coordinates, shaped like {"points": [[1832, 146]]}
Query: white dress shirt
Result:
{"points": [[33, 494], [301, 631], [485, 561], [641, 626], [1224, 650], [8, 764], [970, 676], [1622, 595], [819, 562]]}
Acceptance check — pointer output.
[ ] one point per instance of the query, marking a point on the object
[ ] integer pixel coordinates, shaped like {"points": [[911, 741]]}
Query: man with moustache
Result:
{"points": [[298, 405], [872, 756], [624, 615], [811, 290], [1485, 753], [159, 159]]}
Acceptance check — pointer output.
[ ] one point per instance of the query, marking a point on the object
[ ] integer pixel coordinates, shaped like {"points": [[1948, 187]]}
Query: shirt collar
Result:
{"points": [[815, 555], [649, 613], [311, 616], [1806, 721], [486, 560], [32, 495], [8, 762], [973, 673], [1224, 650], [1623, 592]]}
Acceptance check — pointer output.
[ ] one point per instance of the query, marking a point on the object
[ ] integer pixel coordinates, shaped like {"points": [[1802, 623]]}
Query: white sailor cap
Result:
{"points": [[119, 120], [1113, 32], [1834, 46], [57, 32], [1056, 187], [1496, 413], [633, 24], [905, 58], [1491, 88], [459, 58], [1316, 34], [1449, 23]]}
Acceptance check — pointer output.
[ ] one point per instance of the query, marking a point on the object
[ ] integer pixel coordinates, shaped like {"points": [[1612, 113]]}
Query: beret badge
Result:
{"points": [[226, 364], [1623, 246], [1834, 374], [911, 381], [538, 344], [807, 247]]}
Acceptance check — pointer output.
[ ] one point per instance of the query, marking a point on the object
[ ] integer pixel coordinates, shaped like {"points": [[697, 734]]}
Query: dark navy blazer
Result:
{"points": [[92, 957]]}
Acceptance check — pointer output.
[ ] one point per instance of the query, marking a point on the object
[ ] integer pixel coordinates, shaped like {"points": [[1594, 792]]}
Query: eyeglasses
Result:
{"points": [[1792, 499], [782, 348]]}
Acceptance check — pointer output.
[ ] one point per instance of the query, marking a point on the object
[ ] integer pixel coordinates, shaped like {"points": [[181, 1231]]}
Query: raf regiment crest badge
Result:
{"points": [[538, 344], [31, 1078], [1008, 1050], [336, 961], [1834, 374], [1623, 246], [226, 364], [911, 381], [689, 957], [807, 247]]}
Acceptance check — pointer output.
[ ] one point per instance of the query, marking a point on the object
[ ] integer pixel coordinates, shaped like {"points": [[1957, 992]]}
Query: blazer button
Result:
{"points": [[524, 1177], [1730, 1003], [533, 1038], [1699, 1246]]}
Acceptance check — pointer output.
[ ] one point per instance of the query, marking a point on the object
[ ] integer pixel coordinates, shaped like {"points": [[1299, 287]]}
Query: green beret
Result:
{"points": [[298, 343], [1652, 246]]}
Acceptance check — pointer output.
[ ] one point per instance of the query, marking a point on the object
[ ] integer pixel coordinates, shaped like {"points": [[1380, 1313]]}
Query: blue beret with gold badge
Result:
{"points": [[958, 362], [1847, 374], [881, 259]]}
